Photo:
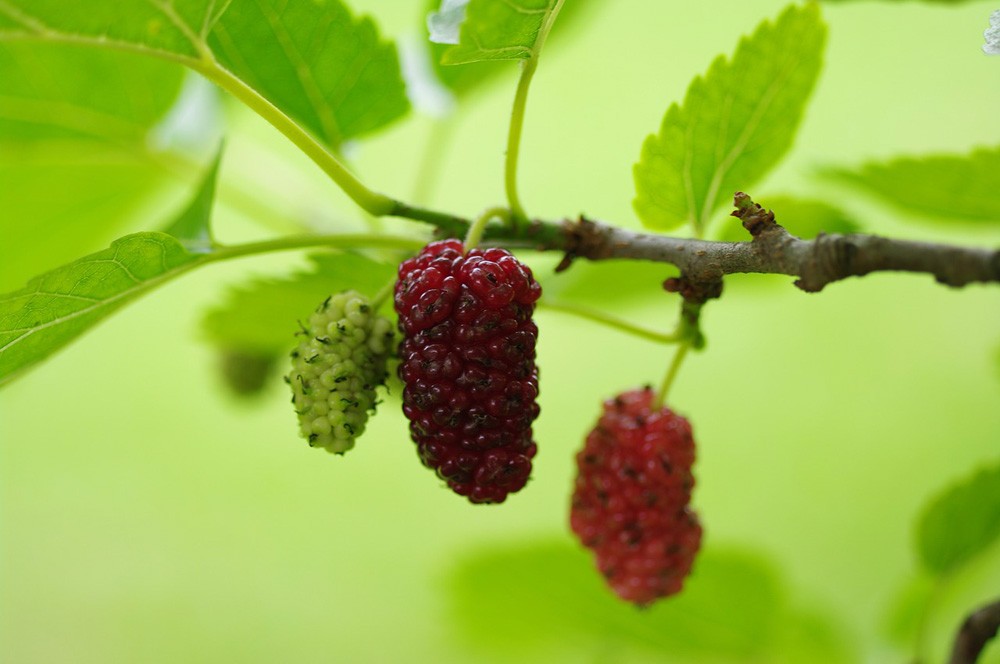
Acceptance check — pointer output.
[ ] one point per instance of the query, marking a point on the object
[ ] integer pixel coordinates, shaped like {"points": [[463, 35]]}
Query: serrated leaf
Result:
{"points": [[464, 78], [735, 124], [193, 226], [802, 217], [60, 305], [936, 187], [259, 318], [55, 308], [961, 522], [508, 30], [322, 67]]}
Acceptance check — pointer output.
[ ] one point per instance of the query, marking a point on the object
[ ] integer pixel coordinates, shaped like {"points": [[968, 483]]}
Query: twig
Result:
{"points": [[773, 250], [977, 629]]}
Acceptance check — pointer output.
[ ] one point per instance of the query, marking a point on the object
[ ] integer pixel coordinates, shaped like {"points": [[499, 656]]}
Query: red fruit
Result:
{"points": [[468, 363], [630, 503]]}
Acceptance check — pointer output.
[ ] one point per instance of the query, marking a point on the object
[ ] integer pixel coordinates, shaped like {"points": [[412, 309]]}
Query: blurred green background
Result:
{"points": [[148, 516]]}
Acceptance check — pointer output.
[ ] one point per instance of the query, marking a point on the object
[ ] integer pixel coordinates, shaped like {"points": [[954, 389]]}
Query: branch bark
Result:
{"points": [[977, 629], [772, 250]]}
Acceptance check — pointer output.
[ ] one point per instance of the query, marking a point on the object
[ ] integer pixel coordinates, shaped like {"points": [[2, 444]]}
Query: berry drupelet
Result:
{"points": [[467, 360], [630, 501], [336, 368]]}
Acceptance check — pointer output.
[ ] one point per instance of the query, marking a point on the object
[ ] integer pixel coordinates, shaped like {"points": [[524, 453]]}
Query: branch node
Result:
{"points": [[694, 291], [583, 239], [755, 219]]}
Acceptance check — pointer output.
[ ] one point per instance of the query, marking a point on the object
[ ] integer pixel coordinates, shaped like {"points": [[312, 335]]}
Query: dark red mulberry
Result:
{"points": [[630, 502], [468, 362]]}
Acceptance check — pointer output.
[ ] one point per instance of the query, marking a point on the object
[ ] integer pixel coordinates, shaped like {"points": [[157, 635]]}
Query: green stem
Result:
{"points": [[369, 200], [514, 140], [341, 240], [478, 227], [517, 118], [668, 380], [429, 169], [449, 224], [612, 321], [926, 615], [382, 295]]}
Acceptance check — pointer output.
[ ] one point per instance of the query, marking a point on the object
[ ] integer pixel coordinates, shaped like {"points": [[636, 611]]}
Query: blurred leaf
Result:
{"points": [[259, 317], [930, 2], [315, 62], [74, 157], [194, 226], [67, 91], [802, 217], [961, 522], [940, 187], [992, 35], [735, 124], [517, 600], [901, 623], [508, 30], [61, 201], [608, 282], [56, 307]]}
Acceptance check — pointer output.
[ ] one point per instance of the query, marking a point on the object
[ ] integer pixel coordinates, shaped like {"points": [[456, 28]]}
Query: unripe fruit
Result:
{"points": [[335, 369], [630, 501], [468, 363]]}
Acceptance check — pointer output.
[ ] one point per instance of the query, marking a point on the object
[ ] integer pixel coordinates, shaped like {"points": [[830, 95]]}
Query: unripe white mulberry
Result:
{"points": [[336, 368]]}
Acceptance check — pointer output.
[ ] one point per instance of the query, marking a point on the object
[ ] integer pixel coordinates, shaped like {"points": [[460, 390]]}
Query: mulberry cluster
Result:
{"points": [[335, 370], [468, 363], [630, 503]]}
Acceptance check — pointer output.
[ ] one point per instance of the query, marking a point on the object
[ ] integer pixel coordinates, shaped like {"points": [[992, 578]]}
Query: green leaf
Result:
{"points": [[460, 80], [735, 124], [259, 318], [907, 610], [193, 226], [945, 187], [802, 217], [508, 30], [56, 307], [470, 76], [549, 596], [326, 70], [961, 522], [66, 91]]}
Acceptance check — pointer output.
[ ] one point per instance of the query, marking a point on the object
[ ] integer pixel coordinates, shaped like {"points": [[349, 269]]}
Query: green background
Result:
{"points": [[149, 516]]}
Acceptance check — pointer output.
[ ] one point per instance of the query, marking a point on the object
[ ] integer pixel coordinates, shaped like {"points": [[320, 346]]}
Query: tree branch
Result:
{"points": [[773, 250], [977, 629]]}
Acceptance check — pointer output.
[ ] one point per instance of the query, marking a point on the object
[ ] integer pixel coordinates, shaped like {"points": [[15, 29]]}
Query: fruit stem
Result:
{"points": [[478, 227], [612, 321], [382, 295], [528, 67], [668, 380]]}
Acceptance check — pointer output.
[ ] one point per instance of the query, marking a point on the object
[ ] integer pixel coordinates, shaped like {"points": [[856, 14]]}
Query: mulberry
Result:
{"points": [[336, 368], [467, 360], [630, 502]]}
